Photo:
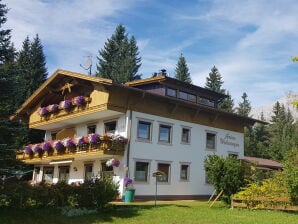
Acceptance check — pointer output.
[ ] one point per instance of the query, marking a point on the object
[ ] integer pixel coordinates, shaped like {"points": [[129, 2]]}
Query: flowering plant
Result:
{"points": [[127, 182], [46, 146], [68, 142], [66, 104], [43, 111], [58, 145], [28, 150], [53, 108], [36, 148], [80, 140], [79, 100], [113, 162], [93, 138]]}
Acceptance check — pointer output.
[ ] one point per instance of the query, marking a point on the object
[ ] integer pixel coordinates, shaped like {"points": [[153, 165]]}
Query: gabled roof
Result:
{"points": [[56, 78]]}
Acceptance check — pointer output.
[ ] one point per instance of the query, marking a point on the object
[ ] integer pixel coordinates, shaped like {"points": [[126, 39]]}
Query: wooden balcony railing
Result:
{"points": [[69, 148]]}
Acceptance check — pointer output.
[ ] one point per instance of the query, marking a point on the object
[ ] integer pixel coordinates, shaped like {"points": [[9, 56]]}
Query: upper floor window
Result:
{"points": [[206, 101], [210, 140], [110, 127], [144, 130], [185, 135], [91, 129], [54, 135], [171, 92], [165, 132], [187, 96]]}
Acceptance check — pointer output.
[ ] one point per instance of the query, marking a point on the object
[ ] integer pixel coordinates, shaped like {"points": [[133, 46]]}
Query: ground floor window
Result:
{"points": [[141, 171], [184, 172], [88, 171], [36, 174], [165, 168], [64, 173], [48, 174], [106, 171]]}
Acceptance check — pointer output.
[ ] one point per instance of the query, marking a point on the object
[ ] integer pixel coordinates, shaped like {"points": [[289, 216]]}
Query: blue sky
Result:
{"points": [[250, 42]]}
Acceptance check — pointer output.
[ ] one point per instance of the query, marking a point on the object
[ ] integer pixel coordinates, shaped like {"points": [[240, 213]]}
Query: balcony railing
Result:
{"points": [[74, 147]]}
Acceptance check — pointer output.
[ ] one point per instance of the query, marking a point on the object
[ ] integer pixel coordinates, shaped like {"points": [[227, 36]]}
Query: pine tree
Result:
{"points": [[119, 60], [244, 107], [32, 67], [214, 81], [281, 132], [181, 71]]}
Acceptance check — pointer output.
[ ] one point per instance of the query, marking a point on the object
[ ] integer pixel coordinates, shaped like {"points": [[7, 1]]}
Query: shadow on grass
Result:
{"points": [[52, 215]]}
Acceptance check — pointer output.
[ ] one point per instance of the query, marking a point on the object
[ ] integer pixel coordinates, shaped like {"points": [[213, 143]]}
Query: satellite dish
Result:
{"points": [[88, 64]]}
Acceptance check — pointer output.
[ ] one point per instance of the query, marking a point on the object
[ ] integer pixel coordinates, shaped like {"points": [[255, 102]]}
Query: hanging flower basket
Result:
{"points": [[113, 162], [58, 146], [46, 146], [28, 150], [93, 139]]}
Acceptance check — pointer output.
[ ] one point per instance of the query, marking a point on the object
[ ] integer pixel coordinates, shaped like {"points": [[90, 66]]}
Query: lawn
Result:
{"points": [[165, 212]]}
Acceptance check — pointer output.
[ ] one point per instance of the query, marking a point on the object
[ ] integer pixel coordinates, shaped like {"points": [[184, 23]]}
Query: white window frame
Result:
{"points": [[169, 171], [188, 171]]}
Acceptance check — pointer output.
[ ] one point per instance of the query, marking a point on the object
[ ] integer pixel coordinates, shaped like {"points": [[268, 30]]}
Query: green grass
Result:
{"points": [[183, 212]]}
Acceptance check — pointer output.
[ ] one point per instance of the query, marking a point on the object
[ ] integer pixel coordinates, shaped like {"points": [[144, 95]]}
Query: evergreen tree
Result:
{"points": [[227, 104], [119, 60], [214, 81], [281, 132], [181, 70], [244, 107]]}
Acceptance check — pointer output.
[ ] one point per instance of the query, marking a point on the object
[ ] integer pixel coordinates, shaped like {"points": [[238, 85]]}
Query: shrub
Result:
{"points": [[90, 195], [226, 174]]}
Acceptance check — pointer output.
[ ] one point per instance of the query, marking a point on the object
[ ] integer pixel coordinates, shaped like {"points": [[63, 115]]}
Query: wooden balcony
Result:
{"points": [[103, 149]]}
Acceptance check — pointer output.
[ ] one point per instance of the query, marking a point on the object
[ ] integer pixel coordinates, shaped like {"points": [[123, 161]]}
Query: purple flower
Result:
{"points": [[127, 181], [80, 141], [46, 146], [68, 142], [79, 100], [66, 104], [28, 150], [93, 138], [53, 108], [43, 111], [115, 162], [36, 148], [58, 145]]}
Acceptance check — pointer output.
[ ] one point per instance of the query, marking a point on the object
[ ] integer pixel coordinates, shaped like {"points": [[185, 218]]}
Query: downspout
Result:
{"points": [[128, 144]]}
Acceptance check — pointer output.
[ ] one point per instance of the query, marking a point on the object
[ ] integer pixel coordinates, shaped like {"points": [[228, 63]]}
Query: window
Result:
{"points": [[106, 171], [202, 100], [233, 154], [185, 137], [210, 141], [88, 171], [183, 95], [54, 135], [171, 92], [192, 98], [141, 171], [165, 133], [110, 127], [184, 172], [144, 130], [36, 174], [64, 173], [165, 168], [48, 174], [91, 129]]}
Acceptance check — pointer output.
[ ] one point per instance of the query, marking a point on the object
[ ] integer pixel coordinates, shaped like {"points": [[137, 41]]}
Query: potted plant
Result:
{"points": [[129, 190]]}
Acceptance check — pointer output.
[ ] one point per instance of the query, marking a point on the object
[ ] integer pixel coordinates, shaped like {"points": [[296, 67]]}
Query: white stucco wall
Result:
{"points": [[177, 153]]}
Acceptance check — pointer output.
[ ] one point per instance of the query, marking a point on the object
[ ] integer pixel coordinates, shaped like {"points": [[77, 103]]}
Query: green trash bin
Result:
{"points": [[129, 195]]}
